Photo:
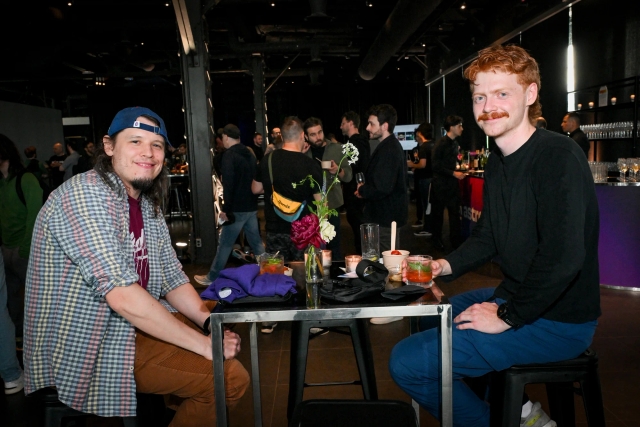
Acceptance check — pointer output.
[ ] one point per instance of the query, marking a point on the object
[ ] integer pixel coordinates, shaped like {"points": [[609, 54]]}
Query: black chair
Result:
{"points": [[298, 359], [353, 413], [177, 200], [508, 386], [55, 411]]}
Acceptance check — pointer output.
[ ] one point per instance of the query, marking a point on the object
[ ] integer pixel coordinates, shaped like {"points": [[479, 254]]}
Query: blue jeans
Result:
{"points": [[246, 221], [9, 366], [414, 362]]}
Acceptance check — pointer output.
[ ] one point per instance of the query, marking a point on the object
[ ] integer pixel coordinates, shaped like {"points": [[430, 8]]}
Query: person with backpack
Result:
{"points": [[17, 217]]}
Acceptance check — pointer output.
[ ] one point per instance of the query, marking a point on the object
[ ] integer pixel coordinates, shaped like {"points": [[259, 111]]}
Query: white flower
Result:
{"points": [[351, 152], [327, 231]]}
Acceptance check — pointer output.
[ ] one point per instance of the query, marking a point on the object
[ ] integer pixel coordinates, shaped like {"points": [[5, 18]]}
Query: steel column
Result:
{"points": [[259, 97], [198, 122]]}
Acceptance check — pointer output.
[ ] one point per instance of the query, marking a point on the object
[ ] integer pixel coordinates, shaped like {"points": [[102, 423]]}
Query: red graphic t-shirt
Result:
{"points": [[136, 234]]}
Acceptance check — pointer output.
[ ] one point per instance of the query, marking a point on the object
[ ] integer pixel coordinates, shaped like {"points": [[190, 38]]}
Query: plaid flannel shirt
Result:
{"points": [[80, 251]]}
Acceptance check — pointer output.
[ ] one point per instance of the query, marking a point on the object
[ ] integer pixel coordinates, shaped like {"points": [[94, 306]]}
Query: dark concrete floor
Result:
{"points": [[617, 341]]}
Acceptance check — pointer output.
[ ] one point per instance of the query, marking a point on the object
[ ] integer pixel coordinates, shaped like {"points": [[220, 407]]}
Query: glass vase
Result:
{"points": [[313, 275]]}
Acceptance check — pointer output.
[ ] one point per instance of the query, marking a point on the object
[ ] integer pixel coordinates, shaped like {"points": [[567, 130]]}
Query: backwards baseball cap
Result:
{"points": [[128, 118], [231, 131]]}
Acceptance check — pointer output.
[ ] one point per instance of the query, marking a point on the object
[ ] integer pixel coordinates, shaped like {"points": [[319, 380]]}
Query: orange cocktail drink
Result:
{"points": [[271, 263], [418, 270]]}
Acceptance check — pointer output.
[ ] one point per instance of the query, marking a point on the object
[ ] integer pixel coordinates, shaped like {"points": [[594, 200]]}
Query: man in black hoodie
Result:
{"points": [[240, 204]]}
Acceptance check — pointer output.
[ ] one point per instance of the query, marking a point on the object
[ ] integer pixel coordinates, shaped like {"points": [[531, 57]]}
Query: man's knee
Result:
{"points": [[411, 360], [236, 380]]}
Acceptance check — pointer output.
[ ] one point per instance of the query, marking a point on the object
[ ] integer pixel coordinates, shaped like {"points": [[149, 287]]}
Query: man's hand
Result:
{"points": [[230, 344], [333, 170], [357, 192], [459, 175], [223, 216], [481, 317]]}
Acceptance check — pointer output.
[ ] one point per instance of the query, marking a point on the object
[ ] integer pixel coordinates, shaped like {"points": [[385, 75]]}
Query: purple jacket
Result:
{"points": [[244, 281]]}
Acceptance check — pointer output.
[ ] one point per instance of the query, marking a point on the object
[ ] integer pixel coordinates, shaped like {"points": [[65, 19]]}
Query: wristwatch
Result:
{"points": [[503, 312]]}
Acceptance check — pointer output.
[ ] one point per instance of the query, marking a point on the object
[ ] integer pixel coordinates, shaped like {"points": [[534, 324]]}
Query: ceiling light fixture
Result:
{"points": [[166, 4], [370, 5], [463, 6], [424, 45], [273, 5], [70, 4]]}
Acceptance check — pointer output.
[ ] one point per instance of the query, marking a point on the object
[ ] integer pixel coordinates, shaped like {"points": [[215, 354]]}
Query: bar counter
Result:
{"points": [[619, 241]]}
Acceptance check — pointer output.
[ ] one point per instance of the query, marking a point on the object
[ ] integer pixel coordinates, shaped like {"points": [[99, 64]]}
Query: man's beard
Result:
{"points": [[375, 135], [142, 184]]}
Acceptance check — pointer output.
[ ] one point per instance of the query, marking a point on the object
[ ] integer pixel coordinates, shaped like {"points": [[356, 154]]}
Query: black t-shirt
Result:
{"points": [[423, 152], [317, 152], [288, 167], [257, 151]]}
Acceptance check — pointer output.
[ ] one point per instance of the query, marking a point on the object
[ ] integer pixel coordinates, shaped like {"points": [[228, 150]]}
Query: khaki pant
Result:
{"points": [[185, 378]]}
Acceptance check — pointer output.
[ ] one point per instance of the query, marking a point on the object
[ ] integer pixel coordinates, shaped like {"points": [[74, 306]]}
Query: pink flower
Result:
{"points": [[305, 232]]}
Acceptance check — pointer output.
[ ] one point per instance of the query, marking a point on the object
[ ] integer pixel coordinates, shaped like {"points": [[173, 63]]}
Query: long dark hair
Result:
{"points": [[8, 151], [158, 191]]}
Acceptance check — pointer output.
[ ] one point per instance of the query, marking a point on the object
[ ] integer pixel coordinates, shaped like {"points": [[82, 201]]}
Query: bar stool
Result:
{"points": [[353, 413], [298, 358], [55, 411], [507, 387]]}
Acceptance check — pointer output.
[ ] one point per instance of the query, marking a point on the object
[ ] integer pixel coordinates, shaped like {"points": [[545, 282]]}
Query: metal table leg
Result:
{"points": [[218, 370], [446, 374], [255, 376]]}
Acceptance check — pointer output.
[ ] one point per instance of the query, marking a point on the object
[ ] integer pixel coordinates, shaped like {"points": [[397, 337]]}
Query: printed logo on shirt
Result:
{"points": [[140, 256]]}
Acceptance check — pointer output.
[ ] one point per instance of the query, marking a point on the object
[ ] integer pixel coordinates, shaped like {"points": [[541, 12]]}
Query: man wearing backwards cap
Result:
{"points": [[96, 326]]}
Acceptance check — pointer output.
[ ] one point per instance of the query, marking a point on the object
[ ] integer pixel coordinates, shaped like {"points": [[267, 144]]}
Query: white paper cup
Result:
{"points": [[326, 164]]}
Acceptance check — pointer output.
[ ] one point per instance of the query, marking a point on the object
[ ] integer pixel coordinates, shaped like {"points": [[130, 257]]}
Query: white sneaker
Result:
{"points": [[267, 327], [385, 320], [202, 279], [11, 387], [537, 418]]}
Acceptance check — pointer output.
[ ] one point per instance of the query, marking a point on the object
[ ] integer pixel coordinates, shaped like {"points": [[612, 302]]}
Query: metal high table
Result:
{"points": [[433, 303]]}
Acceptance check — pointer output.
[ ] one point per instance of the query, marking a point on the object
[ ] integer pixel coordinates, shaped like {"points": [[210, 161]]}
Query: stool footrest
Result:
{"points": [[354, 382]]}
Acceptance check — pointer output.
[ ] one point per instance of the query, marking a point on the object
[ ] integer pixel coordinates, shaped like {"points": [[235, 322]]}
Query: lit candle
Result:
{"points": [[326, 258], [579, 106], [633, 97], [591, 104], [351, 262], [613, 101]]}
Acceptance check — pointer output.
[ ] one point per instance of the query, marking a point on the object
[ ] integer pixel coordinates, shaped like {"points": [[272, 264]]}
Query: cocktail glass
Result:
{"points": [[418, 270], [271, 263]]}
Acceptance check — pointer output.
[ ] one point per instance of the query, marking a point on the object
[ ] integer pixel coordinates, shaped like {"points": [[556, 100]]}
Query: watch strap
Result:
{"points": [[503, 314], [205, 326]]}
